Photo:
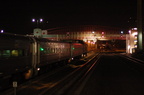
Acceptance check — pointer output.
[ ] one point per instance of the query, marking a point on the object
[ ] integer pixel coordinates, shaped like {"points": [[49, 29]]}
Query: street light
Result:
{"points": [[41, 20], [33, 20], [122, 32], [2, 31], [37, 21]]}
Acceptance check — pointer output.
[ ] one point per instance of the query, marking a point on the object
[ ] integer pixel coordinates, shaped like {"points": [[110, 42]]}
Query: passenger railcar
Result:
{"points": [[15, 56], [25, 56]]}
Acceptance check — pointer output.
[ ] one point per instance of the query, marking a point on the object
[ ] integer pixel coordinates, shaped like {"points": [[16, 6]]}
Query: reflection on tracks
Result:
{"points": [[58, 81]]}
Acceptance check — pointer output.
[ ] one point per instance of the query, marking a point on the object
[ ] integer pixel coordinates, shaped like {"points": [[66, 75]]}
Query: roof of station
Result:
{"points": [[86, 28]]}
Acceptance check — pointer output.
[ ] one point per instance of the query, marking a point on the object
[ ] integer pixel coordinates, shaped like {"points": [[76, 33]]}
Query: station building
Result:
{"points": [[97, 37]]}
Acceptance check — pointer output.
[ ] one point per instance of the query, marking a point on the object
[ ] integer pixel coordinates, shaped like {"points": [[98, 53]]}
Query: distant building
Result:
{"points": [[95, 36], [131, 41]]}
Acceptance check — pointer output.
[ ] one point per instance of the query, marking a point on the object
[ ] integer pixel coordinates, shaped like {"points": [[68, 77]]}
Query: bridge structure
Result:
{"points": [[97, 37]]}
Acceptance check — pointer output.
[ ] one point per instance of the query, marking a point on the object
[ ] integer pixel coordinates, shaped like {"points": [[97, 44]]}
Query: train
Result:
{"points": [[26, 56]]}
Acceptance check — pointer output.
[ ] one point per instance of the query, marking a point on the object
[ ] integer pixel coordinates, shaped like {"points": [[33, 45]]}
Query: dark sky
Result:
{"points": [[16, 15]]}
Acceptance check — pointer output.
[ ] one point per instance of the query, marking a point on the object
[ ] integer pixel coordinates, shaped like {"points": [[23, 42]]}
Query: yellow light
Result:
{"points": [[14, 52]]}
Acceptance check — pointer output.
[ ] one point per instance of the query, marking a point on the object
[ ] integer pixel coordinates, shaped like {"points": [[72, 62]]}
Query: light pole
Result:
{"points": [[37, 21], [37, 31]]}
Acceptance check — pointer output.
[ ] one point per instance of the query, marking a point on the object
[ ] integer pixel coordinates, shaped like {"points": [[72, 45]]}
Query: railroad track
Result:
{"points": [[134, 63], [58, 82], [77, 79]]}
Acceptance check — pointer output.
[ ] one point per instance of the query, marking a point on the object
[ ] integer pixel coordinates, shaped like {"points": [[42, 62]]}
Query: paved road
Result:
{"points": [[114, 77]]}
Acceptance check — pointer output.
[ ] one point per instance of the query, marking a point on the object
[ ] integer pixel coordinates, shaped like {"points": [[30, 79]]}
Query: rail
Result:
{"points": [[136, 63], [49, 84]]}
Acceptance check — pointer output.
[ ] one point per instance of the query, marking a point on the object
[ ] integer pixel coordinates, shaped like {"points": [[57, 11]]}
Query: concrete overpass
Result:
{"points": [[96, 36]]}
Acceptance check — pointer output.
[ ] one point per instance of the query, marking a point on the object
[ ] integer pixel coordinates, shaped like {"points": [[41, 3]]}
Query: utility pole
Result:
{"points": [[139, 24]]}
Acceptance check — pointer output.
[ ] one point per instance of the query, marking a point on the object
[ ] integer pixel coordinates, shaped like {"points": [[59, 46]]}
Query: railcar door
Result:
{"points": [[36, 56], [35, 59]]}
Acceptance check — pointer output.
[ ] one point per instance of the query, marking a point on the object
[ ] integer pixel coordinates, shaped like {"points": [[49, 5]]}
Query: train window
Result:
{"points": [[56, 50], [14, 53], [11, 53], [6, 53], [21, 53], [48, 50], [51, 50], [60, 50], [45, 51]]}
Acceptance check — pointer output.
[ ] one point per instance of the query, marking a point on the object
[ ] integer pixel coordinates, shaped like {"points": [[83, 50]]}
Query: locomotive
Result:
{"points": [[26, 55]]}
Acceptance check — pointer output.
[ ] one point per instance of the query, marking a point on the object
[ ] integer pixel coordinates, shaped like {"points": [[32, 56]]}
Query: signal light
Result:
{"points": [[41, 49]]}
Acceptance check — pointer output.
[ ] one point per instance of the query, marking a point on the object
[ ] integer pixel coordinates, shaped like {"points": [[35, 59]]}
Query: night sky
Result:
{"points": [[16, 15]]}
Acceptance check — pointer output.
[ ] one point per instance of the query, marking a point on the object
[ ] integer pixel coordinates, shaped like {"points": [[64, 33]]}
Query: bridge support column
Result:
{"points": [[139, 24]]}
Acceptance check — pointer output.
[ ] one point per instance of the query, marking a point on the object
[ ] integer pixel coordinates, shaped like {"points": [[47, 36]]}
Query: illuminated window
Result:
{"points": [[6, 53], [53, 50], [11, 53], [14, 53]]}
